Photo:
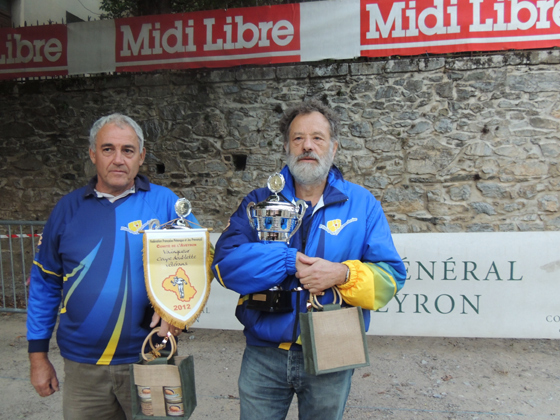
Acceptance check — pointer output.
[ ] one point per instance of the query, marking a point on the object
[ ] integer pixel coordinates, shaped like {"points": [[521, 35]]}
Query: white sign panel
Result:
{"points": [[458, 285]]}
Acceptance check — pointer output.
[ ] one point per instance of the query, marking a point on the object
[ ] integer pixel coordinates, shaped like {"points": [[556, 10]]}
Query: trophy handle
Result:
{"points": [[249, 216], [153, 224], [301, 208]]}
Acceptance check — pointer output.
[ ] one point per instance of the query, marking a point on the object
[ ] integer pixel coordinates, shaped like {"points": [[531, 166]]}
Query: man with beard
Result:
{"points": [[344, 241]]}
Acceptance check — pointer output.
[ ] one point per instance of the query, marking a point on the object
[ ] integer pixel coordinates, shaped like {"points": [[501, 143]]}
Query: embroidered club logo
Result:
{"points": [[136, 226], [334, 227]]}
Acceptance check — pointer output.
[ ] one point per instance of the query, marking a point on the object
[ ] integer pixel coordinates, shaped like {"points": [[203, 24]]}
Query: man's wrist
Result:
{"points": [[347, 278], [38, 355]]}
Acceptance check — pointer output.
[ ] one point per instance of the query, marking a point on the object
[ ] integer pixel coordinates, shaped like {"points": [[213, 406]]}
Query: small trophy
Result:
{"points": [[183, 208], [274, 220]]}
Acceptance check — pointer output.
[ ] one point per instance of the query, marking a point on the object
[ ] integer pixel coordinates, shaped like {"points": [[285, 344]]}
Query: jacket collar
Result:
{"points": [[332, 193], [141, 182]]}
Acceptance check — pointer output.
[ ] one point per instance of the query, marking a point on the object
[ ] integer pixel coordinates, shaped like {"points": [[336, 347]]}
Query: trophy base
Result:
{"points": [[273, 301]]}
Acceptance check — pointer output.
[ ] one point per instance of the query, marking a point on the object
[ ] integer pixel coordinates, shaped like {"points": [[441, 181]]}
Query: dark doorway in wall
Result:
{"points": [[240, 162]]}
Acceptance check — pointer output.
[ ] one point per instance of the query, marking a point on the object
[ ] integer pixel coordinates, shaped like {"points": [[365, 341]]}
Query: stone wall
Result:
{"points": [[447, 144]]}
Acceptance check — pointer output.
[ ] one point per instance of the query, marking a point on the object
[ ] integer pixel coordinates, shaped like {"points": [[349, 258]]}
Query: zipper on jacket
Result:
{"points": [[304, 236], [306, 230]]}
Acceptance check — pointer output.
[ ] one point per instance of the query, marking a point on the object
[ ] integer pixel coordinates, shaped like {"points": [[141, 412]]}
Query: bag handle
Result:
{"points": [[315, 302], [155, 349]]}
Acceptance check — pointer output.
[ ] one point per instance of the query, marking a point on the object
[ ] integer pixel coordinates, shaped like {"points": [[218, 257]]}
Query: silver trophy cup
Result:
{"points": [[275, 219]]}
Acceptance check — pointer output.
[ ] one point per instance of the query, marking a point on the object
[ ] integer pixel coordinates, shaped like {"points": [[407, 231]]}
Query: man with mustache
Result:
{"points": [[89, 266], [344, 241]]}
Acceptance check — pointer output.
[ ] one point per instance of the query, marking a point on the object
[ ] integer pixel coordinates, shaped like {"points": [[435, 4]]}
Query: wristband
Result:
{"points": [[347, 275]]}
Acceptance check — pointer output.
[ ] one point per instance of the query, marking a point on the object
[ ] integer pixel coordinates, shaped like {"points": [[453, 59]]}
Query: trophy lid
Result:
{"points": [[183, 207], [276, 182]]}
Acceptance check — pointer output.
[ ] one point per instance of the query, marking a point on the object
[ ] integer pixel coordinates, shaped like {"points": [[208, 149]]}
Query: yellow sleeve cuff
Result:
{"points": [[352, 276]]}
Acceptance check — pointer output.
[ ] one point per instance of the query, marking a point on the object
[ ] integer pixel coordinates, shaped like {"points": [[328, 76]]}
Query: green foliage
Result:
{"points": [[117, 8], [114, 9]]}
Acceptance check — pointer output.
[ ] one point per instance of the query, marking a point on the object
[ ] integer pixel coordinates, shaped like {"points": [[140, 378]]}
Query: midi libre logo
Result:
{"points": [[32, 51], [420, 26], [265, 34]]}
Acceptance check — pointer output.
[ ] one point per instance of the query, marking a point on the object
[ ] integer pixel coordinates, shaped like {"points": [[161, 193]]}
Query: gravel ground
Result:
{"points": [[409, 377]]}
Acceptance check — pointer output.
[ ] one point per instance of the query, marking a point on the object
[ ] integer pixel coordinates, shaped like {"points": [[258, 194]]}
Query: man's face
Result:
{"points": [[310, 151], [117, 158]]}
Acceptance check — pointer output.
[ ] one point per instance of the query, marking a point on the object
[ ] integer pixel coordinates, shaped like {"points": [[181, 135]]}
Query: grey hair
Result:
{"points": [[307, 107], [119, 120]]}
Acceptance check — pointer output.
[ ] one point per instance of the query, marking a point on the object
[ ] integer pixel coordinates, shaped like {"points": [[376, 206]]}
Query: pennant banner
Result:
{"points": [[177, 273]]}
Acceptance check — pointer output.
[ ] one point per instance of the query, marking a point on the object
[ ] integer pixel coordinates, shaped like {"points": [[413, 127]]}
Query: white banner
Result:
{"points": [[500, 285]]}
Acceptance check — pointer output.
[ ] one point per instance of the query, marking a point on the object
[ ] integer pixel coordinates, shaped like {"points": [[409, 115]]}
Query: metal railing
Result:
{"points": [[18, 243]]}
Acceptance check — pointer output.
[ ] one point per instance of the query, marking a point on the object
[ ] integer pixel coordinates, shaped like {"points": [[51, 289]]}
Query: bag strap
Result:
{"points": [[315, 302], [155, 349]]}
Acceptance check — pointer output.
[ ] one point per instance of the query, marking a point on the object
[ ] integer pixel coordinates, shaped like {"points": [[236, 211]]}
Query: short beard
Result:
{"points": [[310, 174]]}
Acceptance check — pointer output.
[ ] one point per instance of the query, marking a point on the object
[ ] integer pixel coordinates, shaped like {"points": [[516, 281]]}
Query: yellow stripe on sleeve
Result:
{"points": [[219, 275], [46, 271]]}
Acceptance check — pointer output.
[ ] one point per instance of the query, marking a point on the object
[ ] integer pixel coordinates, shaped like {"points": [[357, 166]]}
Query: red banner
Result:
{"points": [[442, 26], [310, 31], [220, 38], [33, 51]]}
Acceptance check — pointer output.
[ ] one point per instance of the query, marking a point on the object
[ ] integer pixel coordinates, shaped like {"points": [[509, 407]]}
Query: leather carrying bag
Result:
{"points": [[333, 338], [162, 383]]}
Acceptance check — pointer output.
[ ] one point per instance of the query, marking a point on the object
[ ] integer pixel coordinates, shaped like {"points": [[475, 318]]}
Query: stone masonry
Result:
{"points": [[447, 144]]}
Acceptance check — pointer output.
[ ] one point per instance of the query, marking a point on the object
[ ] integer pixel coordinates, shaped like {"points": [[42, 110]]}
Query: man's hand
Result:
{"points": [[317, 274], [43, 376], [164, 327]]}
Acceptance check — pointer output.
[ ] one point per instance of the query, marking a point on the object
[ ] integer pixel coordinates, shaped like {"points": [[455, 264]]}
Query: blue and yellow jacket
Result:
{"points": [[90, 261], [347, 225]]}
